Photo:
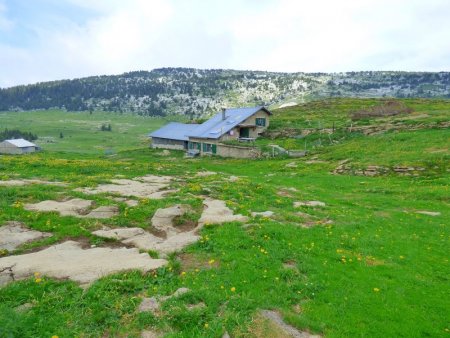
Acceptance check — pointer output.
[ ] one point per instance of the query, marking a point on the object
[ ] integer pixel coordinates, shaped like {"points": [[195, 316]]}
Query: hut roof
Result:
{"points": [[21, 143]]}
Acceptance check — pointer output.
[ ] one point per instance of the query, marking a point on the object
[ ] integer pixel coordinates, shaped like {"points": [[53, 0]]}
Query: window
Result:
{"points": [[207, 148], [260, 121], [194, 145]]}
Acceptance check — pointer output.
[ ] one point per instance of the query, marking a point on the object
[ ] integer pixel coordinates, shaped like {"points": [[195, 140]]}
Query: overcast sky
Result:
{"points": [[44, 40]]}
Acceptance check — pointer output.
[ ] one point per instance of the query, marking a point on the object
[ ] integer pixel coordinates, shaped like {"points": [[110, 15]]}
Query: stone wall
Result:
{"points": [[237, 152]]}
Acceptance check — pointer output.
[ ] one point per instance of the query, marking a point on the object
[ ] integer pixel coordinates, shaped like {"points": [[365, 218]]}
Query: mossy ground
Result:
{"points": [[378, 270]]}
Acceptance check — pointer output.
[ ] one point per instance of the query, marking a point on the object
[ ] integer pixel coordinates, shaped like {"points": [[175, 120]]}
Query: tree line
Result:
{"points": [[8, 134]]}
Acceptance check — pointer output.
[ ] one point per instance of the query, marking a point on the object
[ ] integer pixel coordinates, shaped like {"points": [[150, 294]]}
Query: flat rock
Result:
{"points": [[30, 181], [155, 179], [149, 305], [75, 207], [233, 179], [291, 165], [429, 213], [282, 327], [263, 213], [70, 260], [176, 242], [14, 234], [153, 304], [119, 233], [132, 203], [104, 212], [23, 308], [142, 187], [179, 292], [309, 204], [150, 334], [161, 194], [163, 218], [129, 202], [137, 237], [216, 212], [205, 173], [146, 241], [197, 306]]}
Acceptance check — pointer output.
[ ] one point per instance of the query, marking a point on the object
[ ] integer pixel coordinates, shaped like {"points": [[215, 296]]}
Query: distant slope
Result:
{"points": [[194, 92]]}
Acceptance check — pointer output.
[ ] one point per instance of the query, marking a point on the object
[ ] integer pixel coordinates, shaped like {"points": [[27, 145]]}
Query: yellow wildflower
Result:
{"points": [[233, 289], [376, 289]]}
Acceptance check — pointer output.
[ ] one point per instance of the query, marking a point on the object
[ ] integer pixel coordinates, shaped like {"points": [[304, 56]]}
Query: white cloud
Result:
{"points": [[283, 35]]}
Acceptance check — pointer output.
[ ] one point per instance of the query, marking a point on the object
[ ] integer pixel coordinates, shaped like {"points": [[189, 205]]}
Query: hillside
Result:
{"points": [[194, 92], [368, 259]]}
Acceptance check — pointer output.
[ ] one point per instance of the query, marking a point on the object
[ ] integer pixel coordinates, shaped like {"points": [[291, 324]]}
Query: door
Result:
{"points": [[244, 132]]}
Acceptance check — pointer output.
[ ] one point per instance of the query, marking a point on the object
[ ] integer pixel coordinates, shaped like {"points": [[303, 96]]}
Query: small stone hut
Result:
{"points": [[17, 146]]}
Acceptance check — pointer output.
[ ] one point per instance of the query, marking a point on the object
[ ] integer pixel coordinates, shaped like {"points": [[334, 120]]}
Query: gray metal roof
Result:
{"points": [[175, 131], [21, 143], [215, 127]]}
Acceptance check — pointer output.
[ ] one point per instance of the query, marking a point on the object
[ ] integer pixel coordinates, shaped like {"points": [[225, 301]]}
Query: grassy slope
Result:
{"points": [[375, 241], [81, 130]]}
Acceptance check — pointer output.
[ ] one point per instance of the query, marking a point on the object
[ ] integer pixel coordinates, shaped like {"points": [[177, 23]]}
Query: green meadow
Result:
{"points": [[364, 265]]}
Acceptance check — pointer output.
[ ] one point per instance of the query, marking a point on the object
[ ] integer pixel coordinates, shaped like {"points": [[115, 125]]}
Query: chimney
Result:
{"points": [[223, 114]]}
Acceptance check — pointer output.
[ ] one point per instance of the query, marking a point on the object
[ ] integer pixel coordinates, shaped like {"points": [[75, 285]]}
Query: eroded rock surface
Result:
{"points": [[153, 304], [103, 212], [173, 239], [23, 182], [428, 213], [149, 186], [75, 207], [205, 173], [14, 234], [150, 334], [216, 212], [144, 240], [70, 260], [263, 214], [284, 328], [163, 219], [309, 204], [128, 202]]}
